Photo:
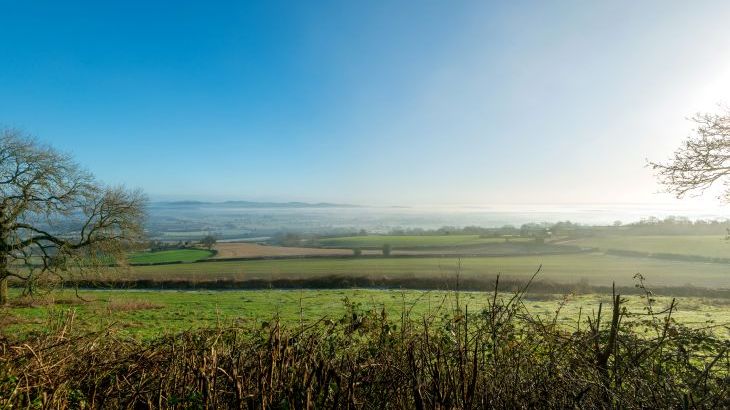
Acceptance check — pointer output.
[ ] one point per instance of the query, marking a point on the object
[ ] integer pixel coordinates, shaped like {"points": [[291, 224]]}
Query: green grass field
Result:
{"points": [[411, 241], [144, 314], [709, 246], [175, 255], [152, 313], [594, 268]]}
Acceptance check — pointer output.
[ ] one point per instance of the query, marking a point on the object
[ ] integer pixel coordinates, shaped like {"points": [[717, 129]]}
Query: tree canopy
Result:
{"points": [[56, 219]]}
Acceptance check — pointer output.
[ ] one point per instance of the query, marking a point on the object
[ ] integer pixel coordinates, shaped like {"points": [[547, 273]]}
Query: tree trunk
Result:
{"points": [[3, 280], [4, 291], [3, 258]]}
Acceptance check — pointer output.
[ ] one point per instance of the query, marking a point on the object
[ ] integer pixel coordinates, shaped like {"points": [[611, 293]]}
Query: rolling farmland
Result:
{"points": [[714, 246], [595, 268]]}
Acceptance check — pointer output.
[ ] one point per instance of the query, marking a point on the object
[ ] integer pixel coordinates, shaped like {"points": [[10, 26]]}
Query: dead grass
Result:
{"points": [[254, 250], [7, 318]]}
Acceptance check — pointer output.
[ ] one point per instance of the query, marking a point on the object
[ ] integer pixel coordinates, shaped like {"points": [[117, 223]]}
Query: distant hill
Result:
{"points": [[249, 204]]}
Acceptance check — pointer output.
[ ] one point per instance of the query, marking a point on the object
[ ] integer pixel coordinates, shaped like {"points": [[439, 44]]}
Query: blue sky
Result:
{"points": [[366, 102]]}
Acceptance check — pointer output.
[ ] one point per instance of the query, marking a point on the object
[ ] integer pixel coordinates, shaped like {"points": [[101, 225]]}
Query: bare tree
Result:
{"points": [[208, 241], [702, 160], [56, 220]]}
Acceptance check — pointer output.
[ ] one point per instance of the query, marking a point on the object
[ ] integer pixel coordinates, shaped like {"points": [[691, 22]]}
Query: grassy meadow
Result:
{"points": [[149, 314], [714, 246]]}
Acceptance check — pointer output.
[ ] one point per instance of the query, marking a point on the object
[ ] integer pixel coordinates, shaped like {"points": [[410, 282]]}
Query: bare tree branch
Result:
{"points": [[703, 159], [55, 215]]}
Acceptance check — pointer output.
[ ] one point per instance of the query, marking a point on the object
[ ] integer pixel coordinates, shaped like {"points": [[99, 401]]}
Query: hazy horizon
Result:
{"points": [[700, 202], [384, 219]]}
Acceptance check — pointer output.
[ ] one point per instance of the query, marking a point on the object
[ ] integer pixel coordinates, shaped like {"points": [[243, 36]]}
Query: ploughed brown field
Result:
{"points": [[252, 250]]}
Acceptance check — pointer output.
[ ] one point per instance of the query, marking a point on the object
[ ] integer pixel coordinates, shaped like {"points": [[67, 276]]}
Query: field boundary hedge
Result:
{"points": [[413, 283], [666, 256]]}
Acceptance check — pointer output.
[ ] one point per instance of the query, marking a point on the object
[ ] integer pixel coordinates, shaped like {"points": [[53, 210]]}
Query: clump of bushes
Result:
{"points": [[500, 356]]}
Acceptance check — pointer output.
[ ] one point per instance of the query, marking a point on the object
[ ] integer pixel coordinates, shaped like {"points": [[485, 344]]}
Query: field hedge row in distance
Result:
{"points": [[170, 256], [413, 241]]}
